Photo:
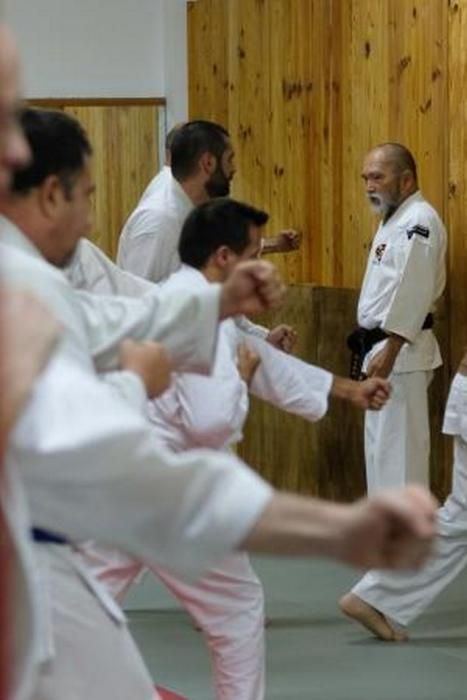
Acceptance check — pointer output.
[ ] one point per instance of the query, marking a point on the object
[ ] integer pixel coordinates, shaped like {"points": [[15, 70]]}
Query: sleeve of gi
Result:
{"points": [[91, 269], [250, 328], [289, 383], [129, 386], [185, 323], [418, 260], [92, 470]]}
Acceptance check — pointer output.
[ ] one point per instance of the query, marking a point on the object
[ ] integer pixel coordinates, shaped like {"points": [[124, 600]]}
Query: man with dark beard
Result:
{"points": [[202, 168], [405, 277]]}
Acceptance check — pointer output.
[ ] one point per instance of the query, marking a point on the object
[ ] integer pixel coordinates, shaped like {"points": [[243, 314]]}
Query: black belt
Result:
{"points": [[47, 537], [362, 340]]}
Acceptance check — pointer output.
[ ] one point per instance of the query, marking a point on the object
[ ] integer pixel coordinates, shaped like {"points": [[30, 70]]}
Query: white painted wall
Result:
{"points": [[104, 48]]}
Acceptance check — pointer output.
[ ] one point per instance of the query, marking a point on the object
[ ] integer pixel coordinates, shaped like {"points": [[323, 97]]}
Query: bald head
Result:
{"points": [[398, 157], [390, 176], [14, 151]]}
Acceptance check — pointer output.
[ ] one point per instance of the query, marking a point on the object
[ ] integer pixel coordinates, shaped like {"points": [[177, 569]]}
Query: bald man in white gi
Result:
{"points": [[404, 279]]}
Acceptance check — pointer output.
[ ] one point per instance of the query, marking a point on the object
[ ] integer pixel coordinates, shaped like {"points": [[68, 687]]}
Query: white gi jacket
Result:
{"points": [[158, 182], [24, 603], [148, 244], [405, 276], [89, 463], [281, 379], [201, 411], [211, 411]]}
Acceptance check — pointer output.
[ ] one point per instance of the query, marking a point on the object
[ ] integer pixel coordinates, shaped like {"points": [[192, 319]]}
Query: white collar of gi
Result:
{"points": [[180, 195], [415, 197], [11, 235], [193, 277]]}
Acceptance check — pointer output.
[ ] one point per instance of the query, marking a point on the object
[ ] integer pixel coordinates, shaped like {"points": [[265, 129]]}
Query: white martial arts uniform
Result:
{"points": [[157, 183], [281, 379], [92, 470], [404, 596], [148, 243], [228, 603], [19, 585], [405, 276]]}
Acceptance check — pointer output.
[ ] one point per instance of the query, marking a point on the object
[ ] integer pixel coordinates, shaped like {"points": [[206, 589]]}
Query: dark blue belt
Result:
{"points": [[39, 535]]}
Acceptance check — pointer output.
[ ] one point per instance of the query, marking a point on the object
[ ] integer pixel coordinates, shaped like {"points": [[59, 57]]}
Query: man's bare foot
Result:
{"points": [[355, 608]]}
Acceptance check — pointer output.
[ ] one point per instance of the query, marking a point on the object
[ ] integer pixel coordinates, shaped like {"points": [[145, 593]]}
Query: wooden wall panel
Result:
{"points": [[312, 85], [125, 139], [456, 125], [125, 142], [326, 458], [209, 84]]}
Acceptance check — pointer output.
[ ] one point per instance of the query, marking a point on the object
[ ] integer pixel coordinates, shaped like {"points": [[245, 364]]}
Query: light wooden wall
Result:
{"points": [[124, 135], [326, 458], [307, 87]]}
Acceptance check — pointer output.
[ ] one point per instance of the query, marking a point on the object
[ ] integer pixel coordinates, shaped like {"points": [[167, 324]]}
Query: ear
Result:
{"points": [[407, 179], [208, 163], [51, 196], [221, 257]]}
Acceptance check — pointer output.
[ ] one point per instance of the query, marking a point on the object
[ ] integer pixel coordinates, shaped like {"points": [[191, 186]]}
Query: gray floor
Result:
{"points": [[313, 653]]}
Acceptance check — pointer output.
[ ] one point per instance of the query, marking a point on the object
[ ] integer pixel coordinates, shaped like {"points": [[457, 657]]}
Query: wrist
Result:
{"points": [[342, 388]]}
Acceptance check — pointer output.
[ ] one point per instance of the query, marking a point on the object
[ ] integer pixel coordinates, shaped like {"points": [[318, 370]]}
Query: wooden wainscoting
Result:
{"points": [[326, 458]]}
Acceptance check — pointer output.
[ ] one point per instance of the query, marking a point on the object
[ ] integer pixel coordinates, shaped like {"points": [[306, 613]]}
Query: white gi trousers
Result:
{"points": [[397, 438], [404, 596], [227, 604], [114, 670]]}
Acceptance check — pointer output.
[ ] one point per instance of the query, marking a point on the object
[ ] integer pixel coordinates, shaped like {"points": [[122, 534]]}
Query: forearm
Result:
{"points": [[394, 344], [382, 364], [270, 245], [295, 526]]}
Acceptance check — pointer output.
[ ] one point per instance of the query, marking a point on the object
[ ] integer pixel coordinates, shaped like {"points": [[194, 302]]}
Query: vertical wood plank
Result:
{"points": [[125, 143]]}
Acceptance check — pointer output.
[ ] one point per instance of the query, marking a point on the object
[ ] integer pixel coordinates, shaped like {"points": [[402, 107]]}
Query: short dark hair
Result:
{"points": [[169, 139], [219, 222], [401, 157], [193, 139], [59, 146]]}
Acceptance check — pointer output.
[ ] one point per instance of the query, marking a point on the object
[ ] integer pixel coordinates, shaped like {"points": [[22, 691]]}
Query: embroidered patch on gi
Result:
{"points": [[419, 231], [379, 252]]}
